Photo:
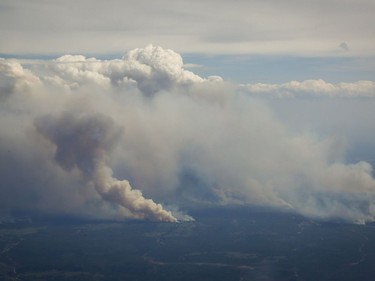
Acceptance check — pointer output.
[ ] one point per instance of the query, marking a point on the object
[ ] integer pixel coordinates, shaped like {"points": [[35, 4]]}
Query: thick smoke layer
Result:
{"points": [[71, 126]]}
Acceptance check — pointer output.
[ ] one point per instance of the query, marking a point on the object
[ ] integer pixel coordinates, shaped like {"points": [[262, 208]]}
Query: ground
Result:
{"points": [[231, 244]]}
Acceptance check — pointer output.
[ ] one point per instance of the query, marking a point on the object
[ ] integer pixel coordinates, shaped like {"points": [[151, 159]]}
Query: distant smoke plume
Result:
{"points": [[344, 46], [83, 142]]}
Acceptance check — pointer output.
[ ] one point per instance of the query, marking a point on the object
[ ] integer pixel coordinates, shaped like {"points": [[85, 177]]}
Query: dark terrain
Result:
{"points": [[232, 244]]}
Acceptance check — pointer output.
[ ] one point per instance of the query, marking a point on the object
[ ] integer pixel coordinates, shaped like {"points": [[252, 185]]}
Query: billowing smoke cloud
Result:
{"points": [[181, 139], [83, 141], [150, 70], [13, 78]]}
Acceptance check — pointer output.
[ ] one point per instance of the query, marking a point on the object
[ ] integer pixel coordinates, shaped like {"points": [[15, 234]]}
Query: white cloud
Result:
{"points": [[185, 141], [14, 78], [312, 88], [151, 68]]}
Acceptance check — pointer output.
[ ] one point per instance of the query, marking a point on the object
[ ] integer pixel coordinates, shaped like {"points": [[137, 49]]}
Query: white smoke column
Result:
{"points": [[120, 192], [84, 141]]}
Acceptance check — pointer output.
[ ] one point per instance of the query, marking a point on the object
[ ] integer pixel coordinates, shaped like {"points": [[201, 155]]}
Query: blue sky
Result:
{"points": [[281, 69]]}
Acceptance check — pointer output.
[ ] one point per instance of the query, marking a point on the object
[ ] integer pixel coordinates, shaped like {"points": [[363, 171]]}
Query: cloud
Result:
{"points": [[13, 78], [178, 138], [249, 27], [152, 69], [192, 65], [312, 88]]}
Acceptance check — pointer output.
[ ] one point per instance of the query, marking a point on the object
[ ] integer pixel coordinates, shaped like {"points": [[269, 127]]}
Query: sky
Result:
{"points": [[244, 41], [146, 110]]}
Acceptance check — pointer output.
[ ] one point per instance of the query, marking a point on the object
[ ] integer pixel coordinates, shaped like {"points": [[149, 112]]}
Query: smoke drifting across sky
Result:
{"points": [[118, 138]]}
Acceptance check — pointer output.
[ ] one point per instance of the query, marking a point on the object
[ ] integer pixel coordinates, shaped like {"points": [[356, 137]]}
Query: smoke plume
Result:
{"points": [[83, 142], [71, 127]]}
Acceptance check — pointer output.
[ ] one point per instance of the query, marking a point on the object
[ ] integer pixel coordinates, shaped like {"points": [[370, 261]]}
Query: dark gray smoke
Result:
{"points": [[84, 142]]}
